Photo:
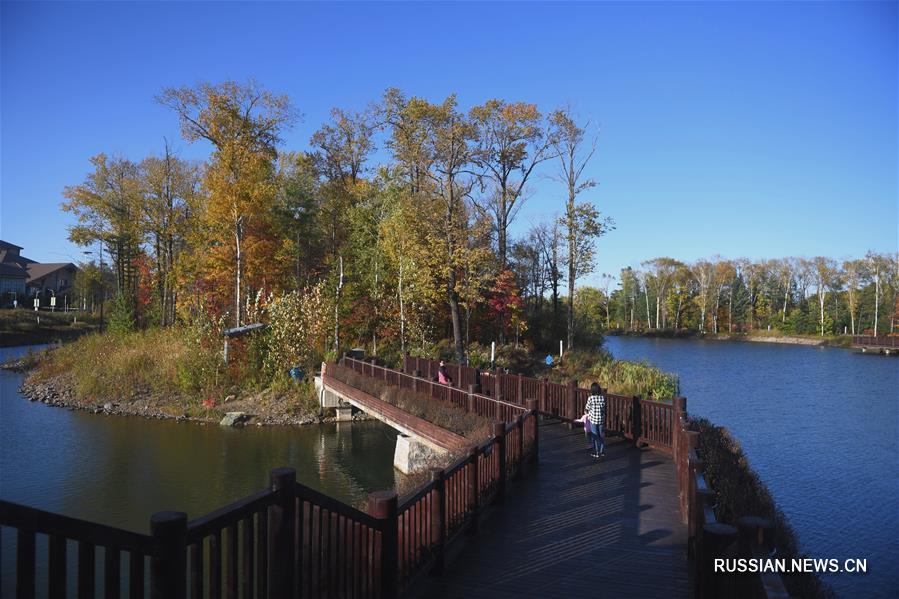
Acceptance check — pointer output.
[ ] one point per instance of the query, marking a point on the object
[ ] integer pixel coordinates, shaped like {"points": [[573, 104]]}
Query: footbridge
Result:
{"points": [[526, 513]]}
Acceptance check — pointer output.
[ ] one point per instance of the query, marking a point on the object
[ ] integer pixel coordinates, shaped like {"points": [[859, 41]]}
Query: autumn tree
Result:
{"points": [[244, 123], [663, 270], [509, 141], [170, 190], [582, 222], [296, 208], [107, 206]]}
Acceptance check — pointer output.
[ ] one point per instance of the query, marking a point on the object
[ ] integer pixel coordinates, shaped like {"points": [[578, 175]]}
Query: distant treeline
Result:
{"points": [[820, 296]]}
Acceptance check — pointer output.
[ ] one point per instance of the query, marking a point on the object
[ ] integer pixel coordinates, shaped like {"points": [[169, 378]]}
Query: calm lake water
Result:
{"points": [[118, 470], [819, 425]]}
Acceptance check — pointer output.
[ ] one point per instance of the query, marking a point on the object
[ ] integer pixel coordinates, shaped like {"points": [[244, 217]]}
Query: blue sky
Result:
{"points": [[740, 129]]}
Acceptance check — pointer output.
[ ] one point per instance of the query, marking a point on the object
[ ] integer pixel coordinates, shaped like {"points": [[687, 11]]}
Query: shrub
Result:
{"points": [[296, 328], [121, 315]]}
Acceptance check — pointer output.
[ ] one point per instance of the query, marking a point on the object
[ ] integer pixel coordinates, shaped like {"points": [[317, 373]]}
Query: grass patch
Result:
{"points": [[134, 365]]}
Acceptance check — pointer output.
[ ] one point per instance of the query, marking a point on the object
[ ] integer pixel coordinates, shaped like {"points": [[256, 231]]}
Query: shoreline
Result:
{"points": [[58, 393], [743, 338]]}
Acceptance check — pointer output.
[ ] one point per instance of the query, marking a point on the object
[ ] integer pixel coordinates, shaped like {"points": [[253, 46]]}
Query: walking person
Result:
{"points": [[443, 376], [596, 414]]}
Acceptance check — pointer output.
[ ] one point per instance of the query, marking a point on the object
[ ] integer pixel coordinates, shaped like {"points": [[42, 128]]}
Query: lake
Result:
{"points": [[819, 425], [118, 470]]}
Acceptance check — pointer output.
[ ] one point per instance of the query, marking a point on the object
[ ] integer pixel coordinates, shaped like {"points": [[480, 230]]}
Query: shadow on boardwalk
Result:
{"points": [[577, 528]]}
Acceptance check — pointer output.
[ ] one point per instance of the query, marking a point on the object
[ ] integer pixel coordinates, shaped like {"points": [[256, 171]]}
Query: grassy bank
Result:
{"points": [[27, 327], [740, 492], [170, 371], [618, 376]]}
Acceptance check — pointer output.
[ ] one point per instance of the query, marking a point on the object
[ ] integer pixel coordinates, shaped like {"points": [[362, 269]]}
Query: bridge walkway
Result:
{"points": [[577, 528]]}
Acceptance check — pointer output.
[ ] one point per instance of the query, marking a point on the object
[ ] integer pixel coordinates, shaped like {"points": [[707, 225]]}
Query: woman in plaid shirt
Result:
{"points": [[596, 413]]}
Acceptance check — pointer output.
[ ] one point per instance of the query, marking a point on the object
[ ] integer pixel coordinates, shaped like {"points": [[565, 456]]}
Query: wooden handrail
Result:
{"points": [[228, 515], [34, 520]]}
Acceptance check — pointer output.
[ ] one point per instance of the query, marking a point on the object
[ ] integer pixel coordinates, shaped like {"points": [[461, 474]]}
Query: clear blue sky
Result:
{"points": [[741, 129]]}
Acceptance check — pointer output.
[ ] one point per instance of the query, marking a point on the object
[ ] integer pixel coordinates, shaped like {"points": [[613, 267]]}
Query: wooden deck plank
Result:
{"points": [[577, 527]]}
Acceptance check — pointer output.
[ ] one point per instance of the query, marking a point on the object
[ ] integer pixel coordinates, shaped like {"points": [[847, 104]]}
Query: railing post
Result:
{"points": [[694, 504], [438, 519], [571, 408], [417, 375], [535, 449], [168, 568], [519, 399], [383, 506], [499, 445], [281, 531], [715, 539], [542, 398], [472, 390], [691, 444], [519, 424], [474, 491], [678, 404], [636, 420]]}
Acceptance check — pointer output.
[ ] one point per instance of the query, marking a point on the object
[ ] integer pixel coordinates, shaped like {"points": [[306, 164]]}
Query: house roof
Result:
{"points": [[11, 270], [13, 259], [5, 245], [37, 271]]}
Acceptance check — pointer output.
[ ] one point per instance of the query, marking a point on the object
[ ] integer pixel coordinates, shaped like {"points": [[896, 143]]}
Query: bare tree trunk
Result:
{"points": [[658, 308], [453, 301], [402, 310], [648, 315], [338, 291], [876, 300], [821, 299], [783, 317], [238, 234]]}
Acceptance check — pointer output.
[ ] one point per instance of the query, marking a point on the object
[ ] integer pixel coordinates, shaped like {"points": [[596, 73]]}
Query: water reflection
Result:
{"points": [[118, 470]]}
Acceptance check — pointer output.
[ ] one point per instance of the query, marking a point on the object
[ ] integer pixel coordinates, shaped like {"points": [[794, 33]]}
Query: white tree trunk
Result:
{"points": [[238, 235]]}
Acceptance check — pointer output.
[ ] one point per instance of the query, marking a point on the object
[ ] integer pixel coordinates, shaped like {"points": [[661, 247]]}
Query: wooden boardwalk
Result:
{"points": [[577, 528]]}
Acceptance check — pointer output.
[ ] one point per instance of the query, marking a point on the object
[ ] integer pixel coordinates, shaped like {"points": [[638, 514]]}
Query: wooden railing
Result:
{"points": [[468, 398], [644, 421], [84, 537], [287, 540], [437, 512], [876, 341]]}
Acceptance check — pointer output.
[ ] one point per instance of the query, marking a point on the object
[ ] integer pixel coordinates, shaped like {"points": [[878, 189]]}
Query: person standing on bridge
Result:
{"points": [[443, 376], [596, 413]]}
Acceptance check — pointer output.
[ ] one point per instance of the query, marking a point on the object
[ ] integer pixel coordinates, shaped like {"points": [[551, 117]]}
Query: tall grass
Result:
{"points": [[618, 376], [133, 365]]}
